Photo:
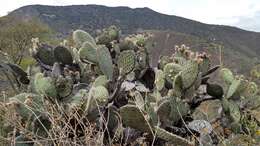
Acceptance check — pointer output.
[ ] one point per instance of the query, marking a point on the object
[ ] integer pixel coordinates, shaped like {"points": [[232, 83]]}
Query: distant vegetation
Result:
{"points": [[16, 35]]}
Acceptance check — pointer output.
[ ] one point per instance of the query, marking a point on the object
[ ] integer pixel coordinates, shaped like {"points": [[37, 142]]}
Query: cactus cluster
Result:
{"points": [[108, 82], [240, 96]]}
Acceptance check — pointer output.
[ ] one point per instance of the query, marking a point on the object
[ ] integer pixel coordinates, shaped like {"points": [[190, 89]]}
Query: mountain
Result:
{"points": [[241, 48]]}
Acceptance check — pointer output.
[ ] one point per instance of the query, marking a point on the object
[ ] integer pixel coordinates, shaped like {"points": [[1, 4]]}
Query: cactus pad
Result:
{"points": [[132, 117], [204, 66], [177, 85], [142, 59], [172, 138], [27, 104], [169, 112], [45, 85], [88, 52], [215, 90], [113, 32], [189, 74], [80, 37], [63, 55], [163, 61], [126, 61], [159, 80], [233, 88], [100, 81], [139, 101], [105, 61], [227, 75], [126, 45], [251, 89], [45, 54], [101, 95], [234, 111], [63, 87], [19, 73], [171, 70]]}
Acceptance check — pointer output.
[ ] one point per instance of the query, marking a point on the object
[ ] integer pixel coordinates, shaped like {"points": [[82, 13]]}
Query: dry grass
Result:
{"points": [[65, 129]]}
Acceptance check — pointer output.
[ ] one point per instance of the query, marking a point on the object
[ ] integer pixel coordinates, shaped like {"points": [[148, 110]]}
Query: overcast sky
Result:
{"points": [[240, 13]]}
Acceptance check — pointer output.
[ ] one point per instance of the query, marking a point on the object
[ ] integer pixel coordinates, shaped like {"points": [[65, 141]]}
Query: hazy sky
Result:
{"points": [[240, 13]]}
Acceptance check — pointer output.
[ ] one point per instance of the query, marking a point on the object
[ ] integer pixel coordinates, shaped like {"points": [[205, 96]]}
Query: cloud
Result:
{"points": [[249, 23], [217, 11]]}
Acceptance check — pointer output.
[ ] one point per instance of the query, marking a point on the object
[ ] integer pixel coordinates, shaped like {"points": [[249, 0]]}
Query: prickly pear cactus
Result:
{"points": [[105, 61], [108, 35], [126, 61], [80, 37], [172, 138], [171, 70], [101, 95], [233, 88], [45, 54], [100, 81], [45, 85], [27, 105], [171, 110], [204, 66], [250, 90], [134, 118], [63, 87], [227, 75], [88, 52], [189, 74], [159, 80], [63, 55], [163, 61], [105, 88], [215, 90]]}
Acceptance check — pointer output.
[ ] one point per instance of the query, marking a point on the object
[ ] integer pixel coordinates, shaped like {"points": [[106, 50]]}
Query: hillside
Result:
{"points": [[240, 46]]}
